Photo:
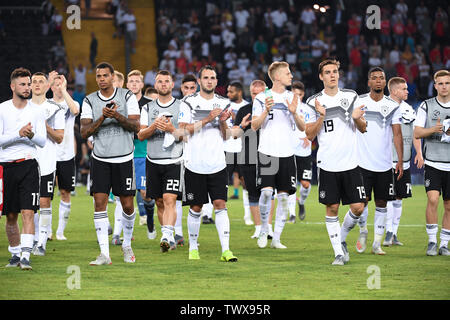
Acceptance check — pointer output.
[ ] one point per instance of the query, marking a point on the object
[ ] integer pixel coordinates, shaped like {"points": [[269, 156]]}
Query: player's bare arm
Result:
{"points": [[237, 131], [358, 118], [191, 128], [257, 121], [57, 135], [418, 159], [313, 129], [398, 143], [89, 127], [420, 132], [70, 102]]}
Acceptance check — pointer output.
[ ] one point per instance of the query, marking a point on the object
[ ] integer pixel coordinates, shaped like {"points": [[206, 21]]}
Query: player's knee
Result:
{"points": [[357, 208], [305, 184], [381, 203], [266, 194], [219, 204]]}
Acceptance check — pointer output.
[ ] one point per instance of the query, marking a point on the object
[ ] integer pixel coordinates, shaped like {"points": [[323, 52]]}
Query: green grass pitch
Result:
{"points": [[303, 271]]}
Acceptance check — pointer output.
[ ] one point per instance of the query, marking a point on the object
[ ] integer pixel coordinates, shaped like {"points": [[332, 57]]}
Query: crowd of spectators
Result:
{"points": [[242, 38]]}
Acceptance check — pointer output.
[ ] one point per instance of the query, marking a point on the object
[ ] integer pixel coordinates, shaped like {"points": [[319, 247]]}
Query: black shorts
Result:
{"points": [[304, 168], [116, 176], [162, 179], [47, 186], [249, 174], [278, 173], [198, 186], [232, 163], [438, 180], [402, 187], [382, 184], [20, 186], [346, 186], [65, 173]]}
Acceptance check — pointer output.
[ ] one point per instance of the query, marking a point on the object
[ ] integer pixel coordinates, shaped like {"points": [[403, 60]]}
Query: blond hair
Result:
{"points": [[257, 83], [394, 81], [119, 75], [275, 66], [441, 73], [136, 73]]}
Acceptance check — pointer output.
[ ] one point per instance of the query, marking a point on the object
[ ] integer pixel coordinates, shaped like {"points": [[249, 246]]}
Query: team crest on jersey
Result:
{"points": [[190, 196], [155, 112], [427, 183], [216, 105], [436, 114], [322, 194], [344, 103], [384, 111]]}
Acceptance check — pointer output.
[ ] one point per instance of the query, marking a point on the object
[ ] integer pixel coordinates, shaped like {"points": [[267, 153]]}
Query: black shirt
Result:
{"points": [[249, 143]]}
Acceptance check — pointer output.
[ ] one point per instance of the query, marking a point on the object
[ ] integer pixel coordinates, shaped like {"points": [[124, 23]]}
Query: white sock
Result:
{"points": [[362, 222], [379, 223], [101, 223], [179, 221], [26, 244], [350, 221], [397, 204], [64, 212], [44, 222], [36, 226], [334, 232], [445, 237], [432, 230], [118, 218], [223, 228], [304, 193], [389, 216], [193, 224], [292, 199], [265, 202], [15, 251], [281, 215], [257, 229], [128, 226], [167, 232], [49, 228], [247, 214]]}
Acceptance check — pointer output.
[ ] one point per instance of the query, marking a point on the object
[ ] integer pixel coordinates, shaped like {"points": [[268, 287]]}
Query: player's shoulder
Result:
{"points": [[391, 101], [189, 100], [364, 96], [5, 104], [54, 104], [310, 100], [261, 97]]}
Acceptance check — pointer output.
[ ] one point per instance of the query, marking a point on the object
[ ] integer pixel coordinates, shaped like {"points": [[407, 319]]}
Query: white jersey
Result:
{"points": [[408, 116], [46, 156], [337, 137], [278, 127], [231, 144], [204, 151], [298, 138], [66, 149], [12, 145], [421, 121], [375, 145]]}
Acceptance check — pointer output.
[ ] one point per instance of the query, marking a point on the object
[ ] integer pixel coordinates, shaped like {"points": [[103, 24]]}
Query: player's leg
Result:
{"points": [[45, 214], [13, 235], [149, 203], [249, 177], [445, 229], [368, 181], [304, 174], [179, 238], [26, 238], [245, 200], [217, 189], [433, 179], [65, 172], [100, 173], [139, 165]]}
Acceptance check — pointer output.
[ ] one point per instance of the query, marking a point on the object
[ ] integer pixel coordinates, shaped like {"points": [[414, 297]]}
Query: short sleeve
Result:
{"points": [[258, 106], [421, 118], [144, 116], [184, 114], [133, 106], [60, 120], [397, 118], [310, 111], [86, 111]]}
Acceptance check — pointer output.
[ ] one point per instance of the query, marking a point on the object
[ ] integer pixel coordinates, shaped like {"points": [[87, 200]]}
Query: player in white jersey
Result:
{"points": [[55, 123], [384, 119], [398, 91], [22, 130], [65, 152], [433, 125], [278, 113], [303, 161], [203, 115], [111, 115], [334, 116], [233, 147]]}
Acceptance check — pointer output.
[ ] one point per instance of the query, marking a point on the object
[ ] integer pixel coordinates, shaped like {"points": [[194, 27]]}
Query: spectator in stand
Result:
{"points": [[279, 18], [407, 55], [241, 17], [356, 60], [129, 21], [440, 24], [374, 60], [80, 76], [385, 32], [93, 52], [149, 79], [167, 64], [243, 62], [398, 29], [425, 29], [394, 55], [354, 28], [260, 48], [402, 8], [228, 37], [421, 11], [435, 53], [307, 17], [56, 22], [351, 78], [79, 94]]}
